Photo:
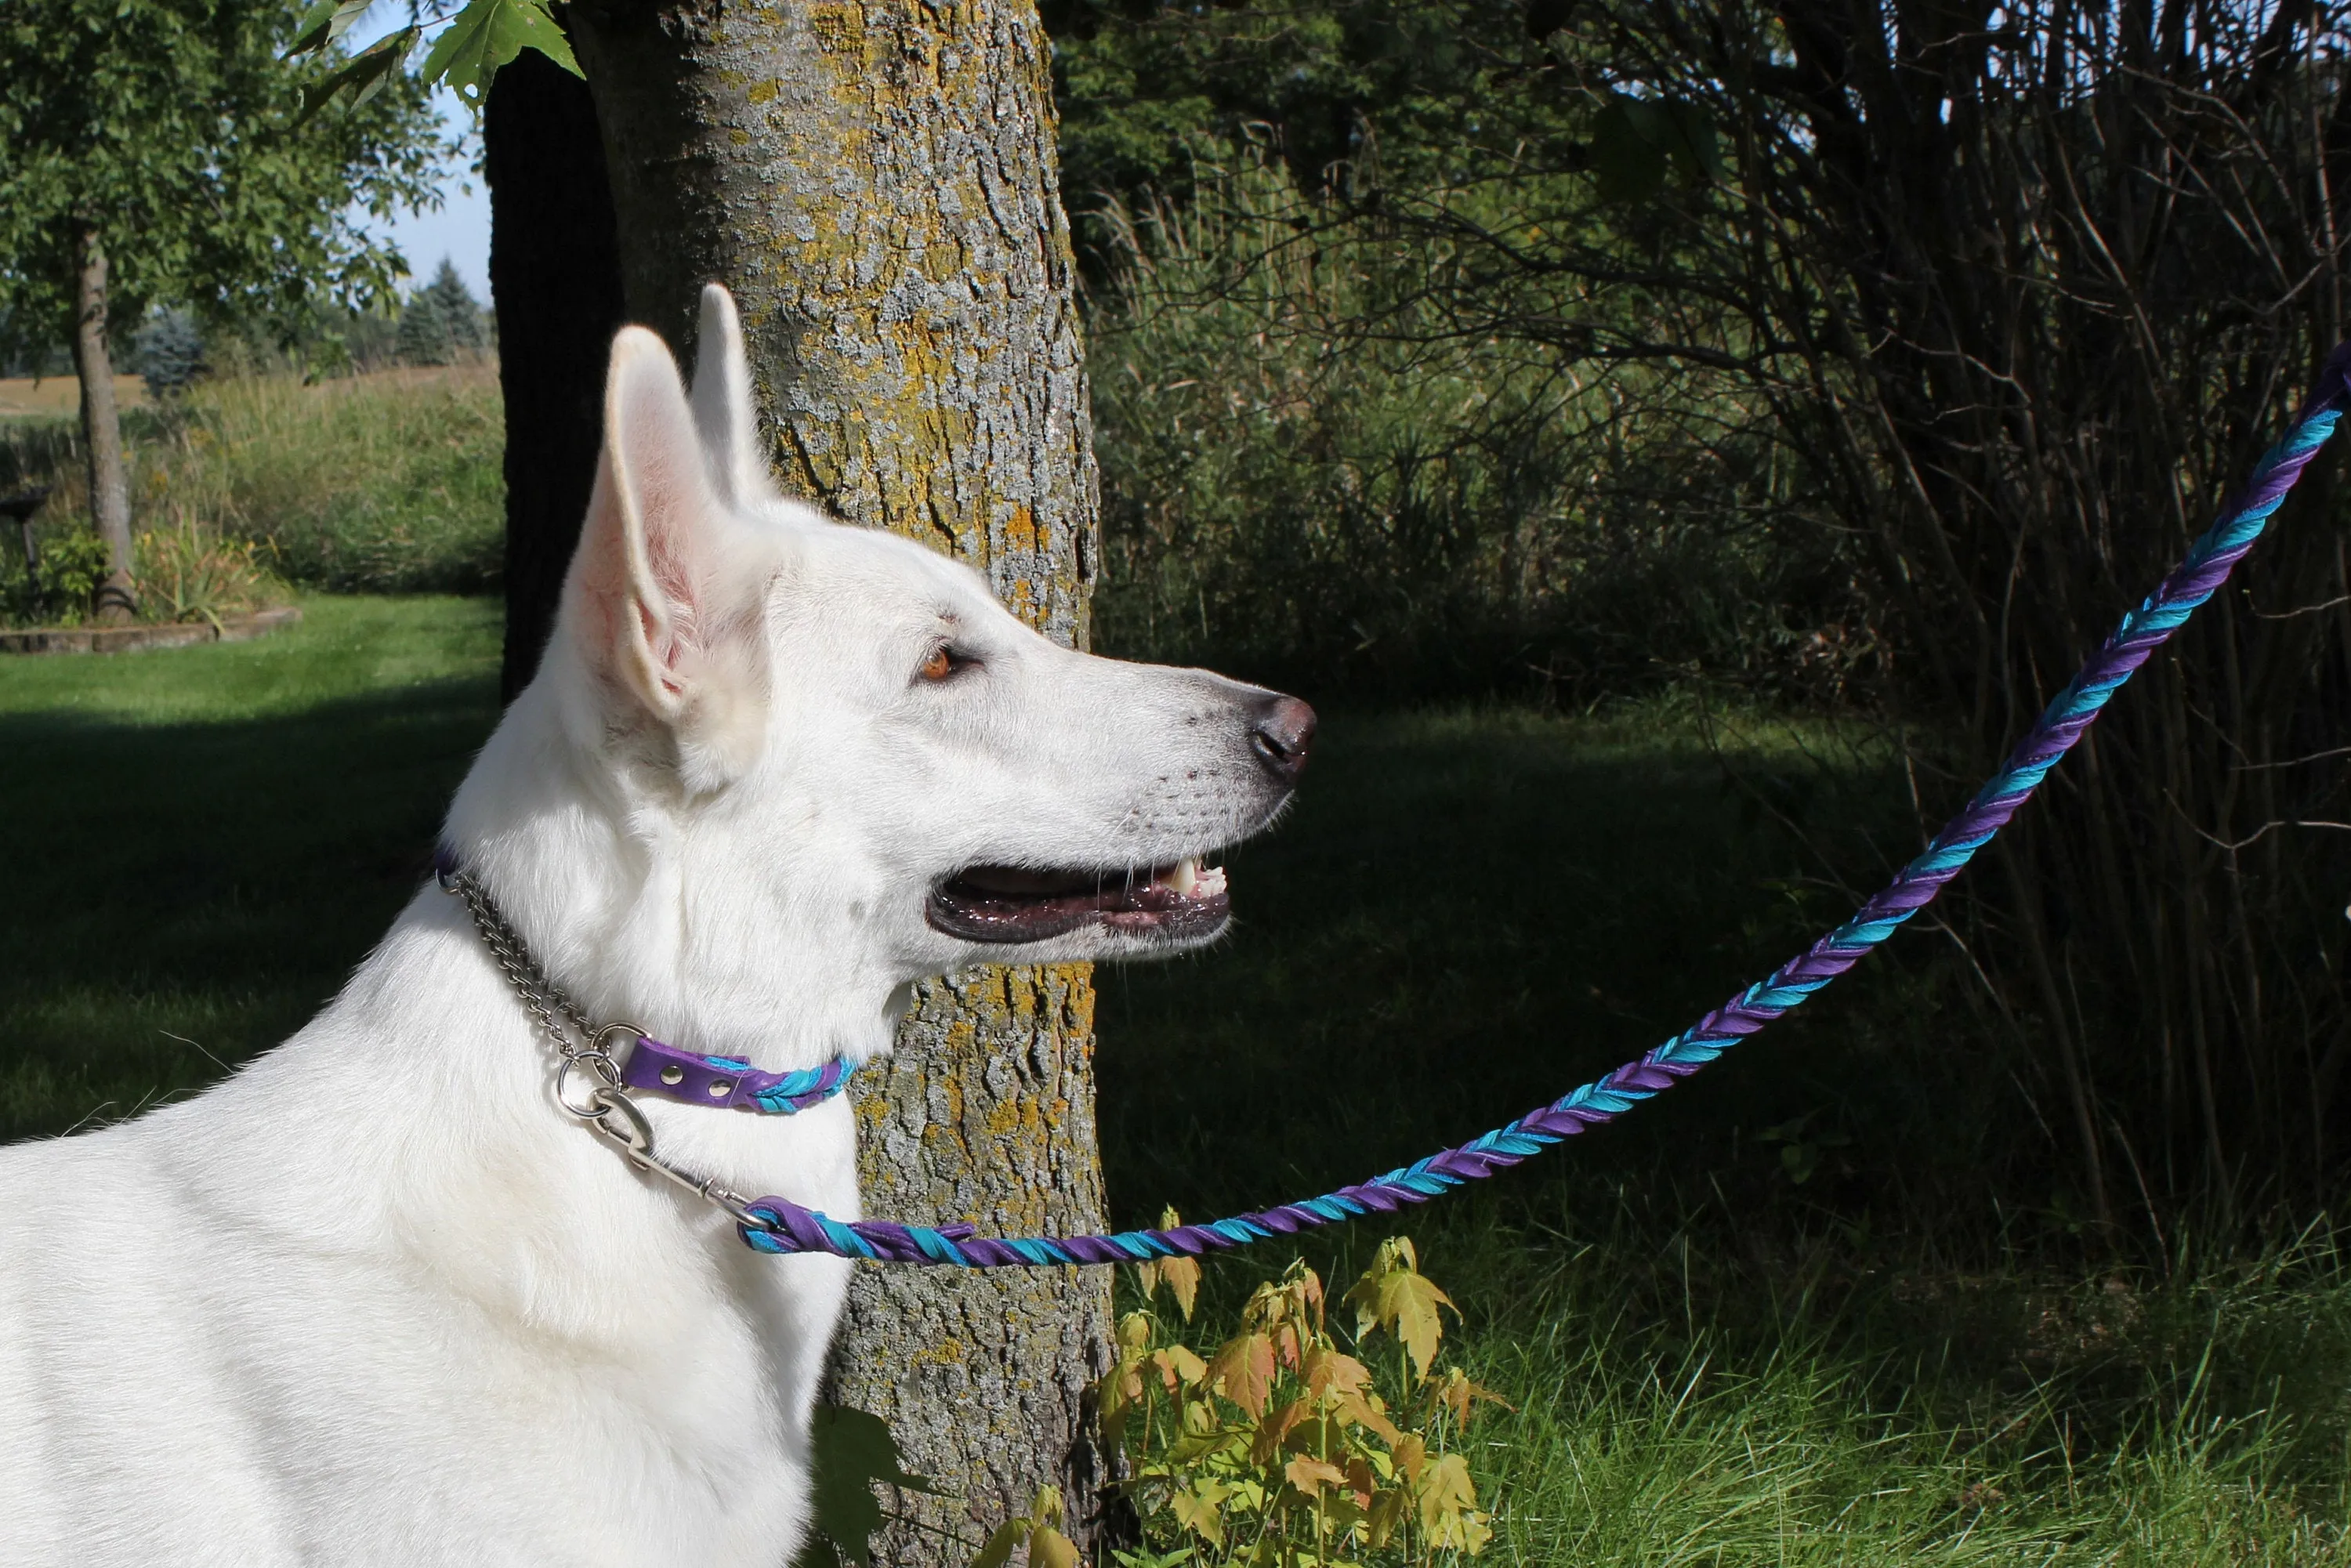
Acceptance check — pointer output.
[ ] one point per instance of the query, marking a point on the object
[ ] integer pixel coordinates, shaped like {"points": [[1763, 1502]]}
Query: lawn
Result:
{"points": [[206, 840], [1707, 1360]]}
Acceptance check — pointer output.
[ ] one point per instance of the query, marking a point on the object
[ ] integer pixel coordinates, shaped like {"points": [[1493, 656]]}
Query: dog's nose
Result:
{"points": [[1281, 737]]}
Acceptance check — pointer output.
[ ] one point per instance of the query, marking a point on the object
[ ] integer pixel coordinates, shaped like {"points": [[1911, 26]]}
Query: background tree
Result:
{"points": [[150, 149], [442, 322]]}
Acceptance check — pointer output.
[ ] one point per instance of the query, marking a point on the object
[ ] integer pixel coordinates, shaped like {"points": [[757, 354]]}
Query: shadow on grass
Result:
{"points": [[1466, 915], [184, 895]]}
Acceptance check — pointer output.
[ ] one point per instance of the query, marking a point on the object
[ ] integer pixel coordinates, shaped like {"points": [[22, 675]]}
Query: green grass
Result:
{"points": [[1707, 1361], [207, 838]]}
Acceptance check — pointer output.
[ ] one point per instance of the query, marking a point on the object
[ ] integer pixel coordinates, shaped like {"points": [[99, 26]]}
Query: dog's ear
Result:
{"points": [[668, 590], [724, 406]]}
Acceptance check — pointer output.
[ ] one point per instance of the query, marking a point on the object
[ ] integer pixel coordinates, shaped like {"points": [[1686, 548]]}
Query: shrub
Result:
{"points": [[1279, 1448]]}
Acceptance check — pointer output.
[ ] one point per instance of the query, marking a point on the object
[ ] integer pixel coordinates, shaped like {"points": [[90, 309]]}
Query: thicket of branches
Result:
{"points": [[1964, 316]]}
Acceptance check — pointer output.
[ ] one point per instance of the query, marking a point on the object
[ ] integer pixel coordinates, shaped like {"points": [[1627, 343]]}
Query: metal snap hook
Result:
{"points": [[634, 1135]]}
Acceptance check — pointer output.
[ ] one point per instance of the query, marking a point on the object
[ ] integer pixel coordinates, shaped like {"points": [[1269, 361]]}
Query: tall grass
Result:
{"points": [[385, 483], [1425, 508]]}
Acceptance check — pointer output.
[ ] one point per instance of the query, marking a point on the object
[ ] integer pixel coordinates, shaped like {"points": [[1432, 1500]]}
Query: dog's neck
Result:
{"points": [[596, 874]]}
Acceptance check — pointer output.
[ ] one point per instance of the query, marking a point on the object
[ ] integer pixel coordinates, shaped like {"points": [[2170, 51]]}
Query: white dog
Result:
{"points": [[377, 1299]]}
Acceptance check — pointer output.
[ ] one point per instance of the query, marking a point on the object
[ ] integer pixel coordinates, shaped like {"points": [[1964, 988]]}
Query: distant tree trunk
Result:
{"points": [[101, 427], [876, 181], [555, 282]]}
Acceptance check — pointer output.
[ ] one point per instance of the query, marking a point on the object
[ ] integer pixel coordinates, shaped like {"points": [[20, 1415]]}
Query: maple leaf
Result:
{"points": [[1364, 1413], [1200, 1510], [1448, 1507], [1458, 1395], [1048, 1547], [1245, 1368], [1179, 1368], [1411, 1454], [1329, 1372], [1270, 1431], [1394, 1294], [1180, 1274], [1311, 1475]]}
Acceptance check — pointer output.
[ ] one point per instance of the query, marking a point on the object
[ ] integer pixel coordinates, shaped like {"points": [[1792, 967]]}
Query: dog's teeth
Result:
{"points": [[1212, 882], [1186, 876]]}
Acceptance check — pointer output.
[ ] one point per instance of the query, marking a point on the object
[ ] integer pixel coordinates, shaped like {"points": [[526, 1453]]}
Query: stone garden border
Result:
{"points": [[132, 639]]}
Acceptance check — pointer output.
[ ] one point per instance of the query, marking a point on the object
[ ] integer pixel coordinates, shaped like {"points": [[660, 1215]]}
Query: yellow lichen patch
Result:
{"points": [[763, 91], [1020, 530], [944, 1353], [1005, 1115]]}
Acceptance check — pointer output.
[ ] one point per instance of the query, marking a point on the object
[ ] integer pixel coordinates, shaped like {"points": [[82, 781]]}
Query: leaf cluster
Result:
{"points": [[480, 36], [170, 129], [1280, 1449]]}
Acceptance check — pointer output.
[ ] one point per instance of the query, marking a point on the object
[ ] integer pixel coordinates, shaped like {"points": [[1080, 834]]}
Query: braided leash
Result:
{"points": [[786, 1226]]}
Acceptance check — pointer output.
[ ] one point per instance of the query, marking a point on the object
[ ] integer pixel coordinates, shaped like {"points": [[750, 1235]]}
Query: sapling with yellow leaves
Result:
{"points": [[1280, 1449]]}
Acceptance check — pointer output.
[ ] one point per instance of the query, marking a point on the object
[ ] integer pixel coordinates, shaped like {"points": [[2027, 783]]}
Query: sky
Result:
{"points": [[461, 229]]}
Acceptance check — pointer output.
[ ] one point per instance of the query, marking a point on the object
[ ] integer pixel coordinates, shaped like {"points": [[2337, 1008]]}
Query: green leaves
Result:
{"points": [[487, 34], [1637, 141], [172, 127], [480, 37], [362, 78], [853, 1451]]}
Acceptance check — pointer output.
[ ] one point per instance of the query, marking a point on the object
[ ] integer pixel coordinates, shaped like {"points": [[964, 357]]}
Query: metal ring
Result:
{"points": [[636, 1138], [598, 1067], [596, 1040]]}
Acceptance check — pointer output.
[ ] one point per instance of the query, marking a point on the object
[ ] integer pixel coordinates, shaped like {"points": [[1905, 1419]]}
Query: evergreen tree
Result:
{"points": [[169, 350], [443, 322]]}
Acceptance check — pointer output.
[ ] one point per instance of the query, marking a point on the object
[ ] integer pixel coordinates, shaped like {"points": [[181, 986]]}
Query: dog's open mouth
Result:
{"points": [[1006, 904]]}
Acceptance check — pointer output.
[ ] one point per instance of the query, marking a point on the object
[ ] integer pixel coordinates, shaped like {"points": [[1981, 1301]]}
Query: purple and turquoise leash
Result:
{"points": [[786, 1226]]}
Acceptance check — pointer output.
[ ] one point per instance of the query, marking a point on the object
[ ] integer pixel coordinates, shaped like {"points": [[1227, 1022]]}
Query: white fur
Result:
{"points": [[374, 1300]]}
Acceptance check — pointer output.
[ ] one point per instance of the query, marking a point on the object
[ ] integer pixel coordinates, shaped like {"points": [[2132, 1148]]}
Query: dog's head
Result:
{"points": [[808, 738]]}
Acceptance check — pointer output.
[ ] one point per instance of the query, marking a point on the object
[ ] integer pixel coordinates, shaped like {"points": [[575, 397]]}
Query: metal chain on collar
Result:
{"points": [[588, 1083], [542, 996]]}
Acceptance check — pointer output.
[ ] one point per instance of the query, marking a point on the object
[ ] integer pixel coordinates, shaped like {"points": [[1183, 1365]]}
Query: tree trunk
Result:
{"points": [[876, 181], [102, 428], [555, 282]]}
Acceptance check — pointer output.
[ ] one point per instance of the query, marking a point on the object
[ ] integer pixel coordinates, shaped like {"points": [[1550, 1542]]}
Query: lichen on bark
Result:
{"points": [[875, 180]]}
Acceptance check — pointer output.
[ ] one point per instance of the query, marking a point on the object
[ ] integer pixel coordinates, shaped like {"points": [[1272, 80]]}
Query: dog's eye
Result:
{"points": [[938, 666]]}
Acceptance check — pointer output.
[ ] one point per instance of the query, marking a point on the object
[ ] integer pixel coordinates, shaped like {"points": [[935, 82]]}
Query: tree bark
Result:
{"points": [[102, 428], [555, 282], [877, 182]]}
